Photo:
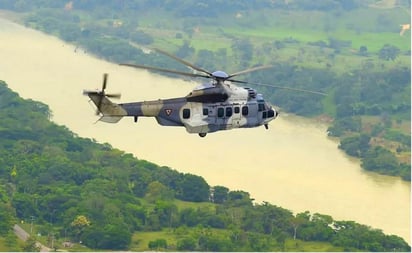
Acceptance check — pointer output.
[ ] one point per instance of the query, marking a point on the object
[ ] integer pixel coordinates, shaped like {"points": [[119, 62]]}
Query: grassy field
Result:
{"points": [[140, 241], [372, 28], [4, 248], [301, 246], [215, 40], [184, 204]]}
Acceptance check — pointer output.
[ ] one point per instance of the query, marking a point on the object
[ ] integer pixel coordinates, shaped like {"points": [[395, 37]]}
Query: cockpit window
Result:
{"points": [[271, 113]]}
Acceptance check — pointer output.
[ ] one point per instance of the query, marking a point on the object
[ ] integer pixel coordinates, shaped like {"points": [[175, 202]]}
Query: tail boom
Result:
{"points": [[111, 112]]}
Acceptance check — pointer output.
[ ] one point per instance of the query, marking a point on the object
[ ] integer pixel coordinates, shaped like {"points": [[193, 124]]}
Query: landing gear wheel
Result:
{"points": [[202, 134]]}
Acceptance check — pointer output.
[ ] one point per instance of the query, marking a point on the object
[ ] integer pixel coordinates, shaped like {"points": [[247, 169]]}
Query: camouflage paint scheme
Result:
{"points": [[208, 108]]}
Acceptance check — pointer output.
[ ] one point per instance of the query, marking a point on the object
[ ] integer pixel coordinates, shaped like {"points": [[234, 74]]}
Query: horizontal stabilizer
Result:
{"points": [[110, 119]]}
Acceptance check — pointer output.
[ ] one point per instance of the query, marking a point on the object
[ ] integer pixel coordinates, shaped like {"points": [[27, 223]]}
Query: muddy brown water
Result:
{"points": [[293, 164]]}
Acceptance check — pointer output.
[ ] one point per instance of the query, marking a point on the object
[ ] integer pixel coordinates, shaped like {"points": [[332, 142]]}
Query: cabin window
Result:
{"points": [[261, 107], [265, 115], [245, 110], [229, 111], [220, 112], [205, 111], [237, 109], [186, 113]]}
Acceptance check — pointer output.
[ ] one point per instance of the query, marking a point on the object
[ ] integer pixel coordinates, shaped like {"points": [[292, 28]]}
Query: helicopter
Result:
{"points": [[213, 106]]}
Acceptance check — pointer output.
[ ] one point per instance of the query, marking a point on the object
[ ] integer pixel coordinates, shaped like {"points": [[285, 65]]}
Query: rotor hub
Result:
{"points": [[220, 75]]}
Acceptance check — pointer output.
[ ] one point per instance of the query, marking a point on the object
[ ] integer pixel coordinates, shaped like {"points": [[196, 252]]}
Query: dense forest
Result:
{"points": [[367, 80], [74, 189]]}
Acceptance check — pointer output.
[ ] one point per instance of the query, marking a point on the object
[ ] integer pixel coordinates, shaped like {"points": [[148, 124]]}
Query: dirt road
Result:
{"points": [[23, 235]]}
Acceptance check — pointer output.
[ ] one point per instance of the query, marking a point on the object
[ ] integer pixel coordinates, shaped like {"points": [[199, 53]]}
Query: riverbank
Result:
{"points": [[293, 164]]}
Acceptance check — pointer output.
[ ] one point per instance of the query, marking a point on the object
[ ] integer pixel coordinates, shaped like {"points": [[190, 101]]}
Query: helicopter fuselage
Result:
{"points": [[214, 106], [205, 110]]}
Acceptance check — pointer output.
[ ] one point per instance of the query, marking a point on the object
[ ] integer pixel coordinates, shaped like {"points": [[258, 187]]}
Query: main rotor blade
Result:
{"points": [[183, 62], [164, 70], [104, 81], [250, 70], [281, 87]]}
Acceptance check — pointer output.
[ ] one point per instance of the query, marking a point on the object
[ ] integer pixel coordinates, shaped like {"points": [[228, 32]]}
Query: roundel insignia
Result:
{"points": [[168, 112]]}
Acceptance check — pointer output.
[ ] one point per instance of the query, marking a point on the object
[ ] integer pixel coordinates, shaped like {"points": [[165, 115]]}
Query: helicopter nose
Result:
{"points": [[271, 112], [276, 113]]}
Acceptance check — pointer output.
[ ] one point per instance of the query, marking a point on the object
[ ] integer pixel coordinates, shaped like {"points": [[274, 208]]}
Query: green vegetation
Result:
{"points": [[76, 189], [67, 188], [351, 50]]}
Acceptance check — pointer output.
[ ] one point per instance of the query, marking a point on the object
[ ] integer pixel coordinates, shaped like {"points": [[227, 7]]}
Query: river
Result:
{"points": [[293, 164]]}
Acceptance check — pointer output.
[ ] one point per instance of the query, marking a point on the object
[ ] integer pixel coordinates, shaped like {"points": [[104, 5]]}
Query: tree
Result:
{"points": [[158, 244], [259, 242], [157, 191], [186, 244], [318, 229], [24, 204], [244, 50], [206, 59], [239, 198], [353, 236], [31, 245], [117, 237], [141, 37], [380, 159], [80, 221], [79, 224], [298, 220], [219, 194], [214, 243], [7, 219], [114, 236], [185, 50], [93, 236], [166, 213], [388, 52], [11, 242], [363, 51], [188, 217], [70, 32], [355, 145], [194, 188]]}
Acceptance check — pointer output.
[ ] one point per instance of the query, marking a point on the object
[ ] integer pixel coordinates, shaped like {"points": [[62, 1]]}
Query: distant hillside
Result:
{"points": [[75, 189]]}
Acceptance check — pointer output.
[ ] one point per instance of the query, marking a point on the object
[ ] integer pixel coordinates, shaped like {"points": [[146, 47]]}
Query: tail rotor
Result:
{"points": [[99, 95]]}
